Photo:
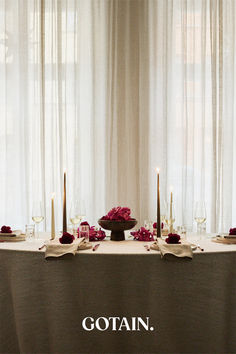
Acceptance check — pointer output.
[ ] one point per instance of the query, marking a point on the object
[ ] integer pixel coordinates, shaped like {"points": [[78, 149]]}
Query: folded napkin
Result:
{"points": [[56, 249], [225, 240], [176, 249], [15, 236]]}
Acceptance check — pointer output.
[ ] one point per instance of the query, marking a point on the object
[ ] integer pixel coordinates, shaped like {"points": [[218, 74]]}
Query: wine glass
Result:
{"points": [[200, 215], [37, 215], [170, 216], [75, 215], [164, 208], [81, 211]]}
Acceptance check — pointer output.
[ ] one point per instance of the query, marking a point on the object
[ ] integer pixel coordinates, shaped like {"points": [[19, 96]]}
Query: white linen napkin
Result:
{"points": [[15, 236], [178, 250], [56, 249], [225, 240]]}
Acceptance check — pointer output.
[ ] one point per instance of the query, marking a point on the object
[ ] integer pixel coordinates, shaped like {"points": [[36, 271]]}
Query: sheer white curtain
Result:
{"points": [[108, 90], [192, 113], [53, 99]]}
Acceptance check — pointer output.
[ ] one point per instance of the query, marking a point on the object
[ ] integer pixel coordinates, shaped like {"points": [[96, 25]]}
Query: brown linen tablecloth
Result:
{"points": [[191, 303]]}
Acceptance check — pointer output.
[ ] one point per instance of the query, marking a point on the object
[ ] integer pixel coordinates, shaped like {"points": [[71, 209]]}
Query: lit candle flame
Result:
{"points": [[157, 170], [53, 195]]}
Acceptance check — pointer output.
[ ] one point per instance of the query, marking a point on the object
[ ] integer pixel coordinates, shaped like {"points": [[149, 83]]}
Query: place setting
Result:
{"points": [[68, 242], [159, 235], [165, 239], [9, 235], [226, 238]]}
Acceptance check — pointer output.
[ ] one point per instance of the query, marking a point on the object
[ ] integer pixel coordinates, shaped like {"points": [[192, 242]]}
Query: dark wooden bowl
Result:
{"points": [[117, 227]]}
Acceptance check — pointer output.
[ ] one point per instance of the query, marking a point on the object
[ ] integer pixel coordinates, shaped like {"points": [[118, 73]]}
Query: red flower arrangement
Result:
{"points": [[118, 214], [173, 238], [94, 235], [6, 229], [66, 238], [142, 235], [232, 231]]}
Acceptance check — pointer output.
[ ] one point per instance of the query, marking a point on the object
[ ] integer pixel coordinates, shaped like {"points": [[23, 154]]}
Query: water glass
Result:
{"points": [[183, 231], [148, 225], [30, 232], [70, 229]]}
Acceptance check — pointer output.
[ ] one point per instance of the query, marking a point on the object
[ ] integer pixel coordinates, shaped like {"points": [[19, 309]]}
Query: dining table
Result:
{"points": [[64, 304]]}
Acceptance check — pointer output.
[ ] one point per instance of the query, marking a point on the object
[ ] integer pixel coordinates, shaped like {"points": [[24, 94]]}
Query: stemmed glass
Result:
{"points": [[81, 213], [170, 215], [164, 209], [37, 215], [77, 213], [200, 215]]}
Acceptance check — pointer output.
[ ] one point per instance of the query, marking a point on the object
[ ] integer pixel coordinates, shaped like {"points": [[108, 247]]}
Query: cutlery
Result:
{"points": [[96, 247], [201, 249], [147, 247]]}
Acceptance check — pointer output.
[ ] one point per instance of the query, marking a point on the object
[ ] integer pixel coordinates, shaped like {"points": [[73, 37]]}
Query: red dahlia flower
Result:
{"points": [[173, 238], [118, 214], [6, 229], [66, 238], [142, 235]]}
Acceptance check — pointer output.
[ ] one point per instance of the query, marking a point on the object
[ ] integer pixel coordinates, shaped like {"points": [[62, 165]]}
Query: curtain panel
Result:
{"points": [[109, 90]]}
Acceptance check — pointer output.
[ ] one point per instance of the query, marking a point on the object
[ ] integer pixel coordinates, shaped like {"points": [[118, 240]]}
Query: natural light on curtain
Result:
{"points": [[108, 90]]}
